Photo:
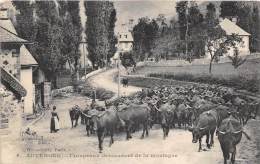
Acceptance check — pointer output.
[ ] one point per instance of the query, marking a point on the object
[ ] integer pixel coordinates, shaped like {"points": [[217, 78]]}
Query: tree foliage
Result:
{"points": [[127, 59], [100, 31], [236, 59], [71, 34], [25, 23], [48, 39], [144, 33], [181, 9]]}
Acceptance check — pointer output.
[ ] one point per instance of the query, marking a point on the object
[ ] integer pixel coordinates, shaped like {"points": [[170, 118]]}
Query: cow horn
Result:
{"points": [[89, 116], [237, 132], [203, 128], [221, 132], [100, 115]]}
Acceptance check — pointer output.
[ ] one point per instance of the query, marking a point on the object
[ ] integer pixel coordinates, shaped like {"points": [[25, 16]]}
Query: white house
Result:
{"points": [[28, 64], [16, 62], [230, 27], [125, 41]]}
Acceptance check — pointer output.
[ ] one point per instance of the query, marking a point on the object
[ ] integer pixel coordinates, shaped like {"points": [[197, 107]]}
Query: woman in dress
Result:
{"points": [[54, 121]]}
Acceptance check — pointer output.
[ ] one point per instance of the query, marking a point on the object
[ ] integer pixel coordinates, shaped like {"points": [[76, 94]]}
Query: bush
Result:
{"points": [[101, 94], [246, 81]]}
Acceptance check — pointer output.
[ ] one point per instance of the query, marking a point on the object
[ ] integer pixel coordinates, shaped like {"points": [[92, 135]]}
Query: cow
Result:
{"points": [[184, 115], [105, 122], [134, 115], [74, 113], [205, 125], [124, 81], [86, 117], [229, 135], [166, 112]]}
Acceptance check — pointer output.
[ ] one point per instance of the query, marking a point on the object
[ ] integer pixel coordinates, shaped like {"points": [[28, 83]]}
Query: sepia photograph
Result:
{"points": [[129, 82]]}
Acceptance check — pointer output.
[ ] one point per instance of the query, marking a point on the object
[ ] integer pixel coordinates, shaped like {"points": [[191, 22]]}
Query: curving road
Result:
{"points": [[75, 147], [106, 80]]}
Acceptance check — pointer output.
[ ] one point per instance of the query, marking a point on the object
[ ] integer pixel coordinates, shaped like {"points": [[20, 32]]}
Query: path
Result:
{"points": [[73, 146], [106, 80]]}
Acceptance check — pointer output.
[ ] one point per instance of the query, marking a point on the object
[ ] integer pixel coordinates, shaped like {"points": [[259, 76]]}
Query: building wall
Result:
{"points": [[243, 48], [125, 46], [9, 59], [27, 82]]}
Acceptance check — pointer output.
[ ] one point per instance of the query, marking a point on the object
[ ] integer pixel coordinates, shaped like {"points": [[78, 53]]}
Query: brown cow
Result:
{"points": [[135, 115], [229, 135], [205, 125]]}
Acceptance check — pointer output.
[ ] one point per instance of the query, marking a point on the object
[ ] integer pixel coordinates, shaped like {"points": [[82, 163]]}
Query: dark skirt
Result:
{"points": [[52, 124]]}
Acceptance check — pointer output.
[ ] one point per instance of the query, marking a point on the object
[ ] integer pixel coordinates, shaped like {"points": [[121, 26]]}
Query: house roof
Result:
{"points": [[231, 28], [7, 24], [26, 57], [9, 37], [125, 37], [12, 83]]}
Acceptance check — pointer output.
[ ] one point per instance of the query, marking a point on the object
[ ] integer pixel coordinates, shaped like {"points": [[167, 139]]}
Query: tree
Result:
{"points": [[48, 39], [228, 8], [111, 35], [236, 59], [181, 8], [71, 35], [25, 24], [144, 33], [195, 40], [100, 31], [127, 59], [255, 33], [218, 43]]}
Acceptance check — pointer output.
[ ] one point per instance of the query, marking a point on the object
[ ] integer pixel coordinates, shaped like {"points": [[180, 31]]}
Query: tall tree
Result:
{"points": [[182, 10], [100, 31], [228, 8], [111, 33], [144, 34], [25, 24], [211, 17], [71, 34], [255, 31], [48, 39], [195, 39]]}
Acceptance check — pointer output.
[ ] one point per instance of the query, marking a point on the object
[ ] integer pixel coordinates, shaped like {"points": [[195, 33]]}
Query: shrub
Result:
{"points": [[101, 94], [246, 81]]}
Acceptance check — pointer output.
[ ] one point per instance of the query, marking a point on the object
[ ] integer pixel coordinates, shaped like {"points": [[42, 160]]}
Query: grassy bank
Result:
{"points": [[241, 81], [246, 77]]}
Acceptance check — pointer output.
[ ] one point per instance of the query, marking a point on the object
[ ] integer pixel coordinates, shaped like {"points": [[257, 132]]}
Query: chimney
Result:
{"points": [[234, 20], [220, 19], [3, 14]]}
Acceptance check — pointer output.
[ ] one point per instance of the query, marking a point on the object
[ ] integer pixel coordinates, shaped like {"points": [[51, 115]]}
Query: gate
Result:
{"points": [[3, 121]]}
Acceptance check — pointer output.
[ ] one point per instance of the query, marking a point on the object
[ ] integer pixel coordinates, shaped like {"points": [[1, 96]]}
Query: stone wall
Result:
{"points": [[10, 107]]}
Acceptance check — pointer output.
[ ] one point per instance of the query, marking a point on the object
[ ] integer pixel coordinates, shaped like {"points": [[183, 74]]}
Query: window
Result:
{"points": [[14, 53], [119, 36], [126, 36], [5, 62]]}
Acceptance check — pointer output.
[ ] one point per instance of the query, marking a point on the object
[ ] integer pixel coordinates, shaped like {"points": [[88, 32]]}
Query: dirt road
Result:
{"points": [[73, 146], [106, 80]]}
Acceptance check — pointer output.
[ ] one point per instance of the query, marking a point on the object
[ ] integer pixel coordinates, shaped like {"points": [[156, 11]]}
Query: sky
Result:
{"points": [[135, 9]]}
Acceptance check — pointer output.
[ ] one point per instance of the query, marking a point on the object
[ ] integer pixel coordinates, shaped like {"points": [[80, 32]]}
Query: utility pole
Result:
{"points": [[118, 67], [84, 57]]}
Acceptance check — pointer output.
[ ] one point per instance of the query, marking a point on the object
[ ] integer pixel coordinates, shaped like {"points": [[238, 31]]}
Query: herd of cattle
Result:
{"points": [[202, 109]]}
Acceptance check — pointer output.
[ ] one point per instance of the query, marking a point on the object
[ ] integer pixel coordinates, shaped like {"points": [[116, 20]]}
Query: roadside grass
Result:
{"points": [[64, 77], [246, 77], [101, 93], [221, 69]]}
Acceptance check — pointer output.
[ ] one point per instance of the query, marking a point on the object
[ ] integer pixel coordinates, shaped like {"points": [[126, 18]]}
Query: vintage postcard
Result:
{"points": [[129, 82]]}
